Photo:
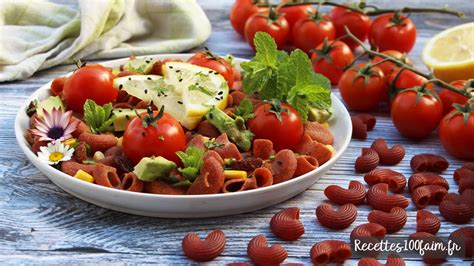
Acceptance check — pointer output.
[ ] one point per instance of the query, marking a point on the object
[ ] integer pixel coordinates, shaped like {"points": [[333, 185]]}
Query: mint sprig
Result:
{"points": [[98, 118], [273, 74]]}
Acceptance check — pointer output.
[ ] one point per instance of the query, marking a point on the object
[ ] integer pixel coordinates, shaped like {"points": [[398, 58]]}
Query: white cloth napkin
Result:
{"points": [[36, 34]]}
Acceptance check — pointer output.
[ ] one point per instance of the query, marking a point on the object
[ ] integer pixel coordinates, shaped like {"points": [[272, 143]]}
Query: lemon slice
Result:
{"points": [[450, 54], [187, 91], [200, 87]]}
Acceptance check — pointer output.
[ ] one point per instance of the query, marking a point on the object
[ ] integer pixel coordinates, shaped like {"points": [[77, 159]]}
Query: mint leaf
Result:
{"points": [[266, 49], [257, 78], [245, 109], [192, 161], [97, 117], [302, 97]]}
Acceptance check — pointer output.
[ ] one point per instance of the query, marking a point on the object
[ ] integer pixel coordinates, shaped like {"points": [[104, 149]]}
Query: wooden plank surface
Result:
{"points": [[40, 223]]}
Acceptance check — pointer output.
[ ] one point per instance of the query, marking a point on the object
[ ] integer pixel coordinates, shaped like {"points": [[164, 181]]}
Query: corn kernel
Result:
{"points": [[331, 148], [235, 174], [228, 161], [84, 176], [119, 142], [98, 156], [70, 142], [325, 124]]}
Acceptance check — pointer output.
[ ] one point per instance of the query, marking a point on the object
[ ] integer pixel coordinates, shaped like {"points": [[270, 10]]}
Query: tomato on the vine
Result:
{"points": [[153, 134], [392, 32], [215, 62], [416, 112], [449, 97], [407, 79], [357, 23], [363, 87], [330, 59], [388, 67], [294, 13], [240, 12], [89, 82], [279, 123], [270, 22], [456, 131], [310, 32]]}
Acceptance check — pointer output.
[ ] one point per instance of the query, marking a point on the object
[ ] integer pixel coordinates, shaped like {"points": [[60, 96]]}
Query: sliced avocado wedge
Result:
{"points": [[48, 104], [152, 168], [123, 116]]}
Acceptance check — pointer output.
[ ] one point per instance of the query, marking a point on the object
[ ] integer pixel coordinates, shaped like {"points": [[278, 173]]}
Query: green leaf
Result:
{"points": [[266, 49], [301, 97], [245, 109], [97, 117], [293, 71], [192, 161], [258, 79]]}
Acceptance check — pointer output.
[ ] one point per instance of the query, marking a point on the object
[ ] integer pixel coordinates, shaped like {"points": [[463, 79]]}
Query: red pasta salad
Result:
{"points": [[203, 126]]}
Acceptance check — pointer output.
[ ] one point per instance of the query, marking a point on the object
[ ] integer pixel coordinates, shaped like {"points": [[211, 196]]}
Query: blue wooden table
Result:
{"points": [[40, 223]]}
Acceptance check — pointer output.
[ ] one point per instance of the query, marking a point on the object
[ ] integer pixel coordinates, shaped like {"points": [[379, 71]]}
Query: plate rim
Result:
{"points": [[19, 134]]}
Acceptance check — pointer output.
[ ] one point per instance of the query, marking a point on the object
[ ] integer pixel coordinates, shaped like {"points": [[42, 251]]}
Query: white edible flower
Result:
{"points": [[55, 153]]}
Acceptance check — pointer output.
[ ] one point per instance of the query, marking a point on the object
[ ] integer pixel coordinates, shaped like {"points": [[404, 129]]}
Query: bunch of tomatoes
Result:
{"points": [[415, 106], [306, 28]]}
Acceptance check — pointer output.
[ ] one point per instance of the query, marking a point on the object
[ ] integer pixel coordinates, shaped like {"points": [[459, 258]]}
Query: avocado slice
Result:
{"points": [[140, 65], [48, 104], [151, 168], [123, 116]]}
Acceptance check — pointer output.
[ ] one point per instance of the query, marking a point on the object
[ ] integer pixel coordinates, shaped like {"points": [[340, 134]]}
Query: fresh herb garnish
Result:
{"points": [[98, 118], [272, 74], [245, 109], [212, 144], [200, 88], [192, 161]]}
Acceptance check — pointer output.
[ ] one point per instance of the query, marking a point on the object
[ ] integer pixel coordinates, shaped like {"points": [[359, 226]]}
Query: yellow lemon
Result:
{"points": [[450, 53], [186, 91]]}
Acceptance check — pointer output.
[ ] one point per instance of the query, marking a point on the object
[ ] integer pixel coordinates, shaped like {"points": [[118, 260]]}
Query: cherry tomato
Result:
{"points": [[57, 85], [269, 22], [89, 82], [163, 136], [215, 62], [285, 133], [362, 87], [388, 67], [448, 97], [416, 113], [240, 12], [392, 32], [308, 33], [456, 133], [340, 56], [357, 23], [294, 13], [406, 79]]}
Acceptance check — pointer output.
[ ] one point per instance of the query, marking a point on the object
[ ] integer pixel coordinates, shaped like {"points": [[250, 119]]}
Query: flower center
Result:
{"points": [[55, 132], [56, 156]]}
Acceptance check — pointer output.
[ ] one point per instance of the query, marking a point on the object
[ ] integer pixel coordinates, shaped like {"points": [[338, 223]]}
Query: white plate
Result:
{"points": [[173, 206]]}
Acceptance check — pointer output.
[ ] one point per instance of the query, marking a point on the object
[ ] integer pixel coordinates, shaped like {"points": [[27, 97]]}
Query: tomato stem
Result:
{"points": [[371, 10], [403, 65]]}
